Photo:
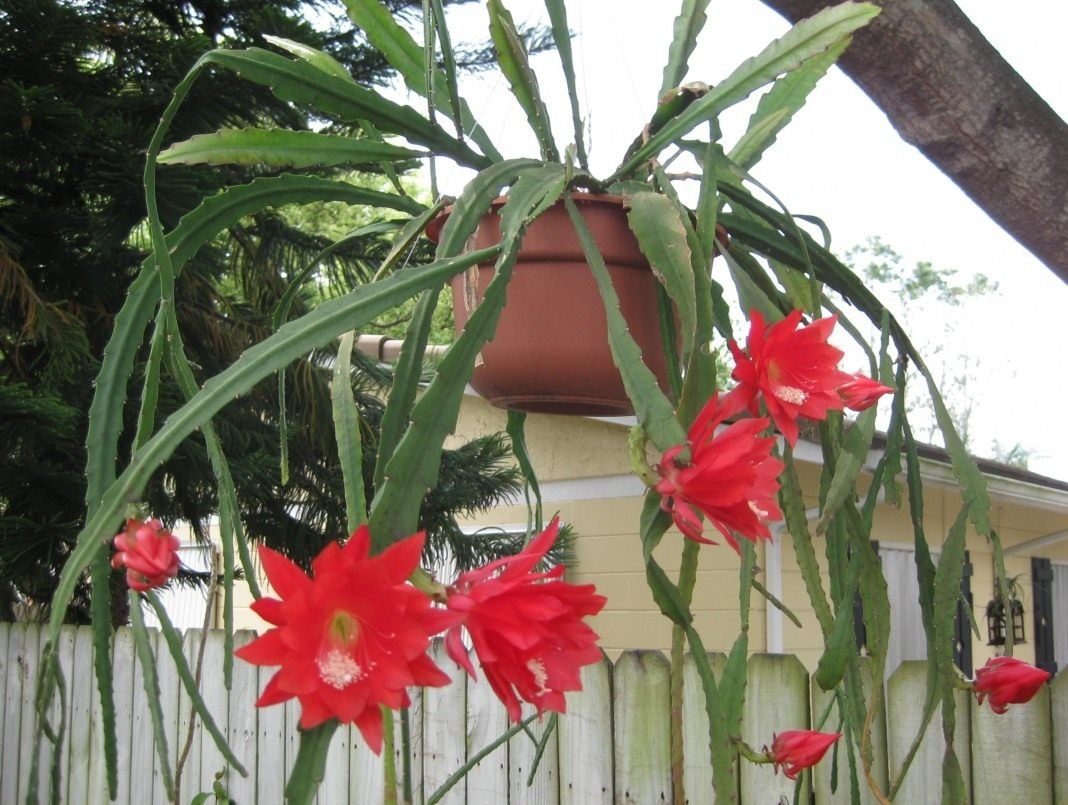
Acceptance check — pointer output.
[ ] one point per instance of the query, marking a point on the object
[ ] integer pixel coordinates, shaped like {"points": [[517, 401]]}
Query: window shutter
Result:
{"points": [[859, 630], [1042, 587], [962, 624]]}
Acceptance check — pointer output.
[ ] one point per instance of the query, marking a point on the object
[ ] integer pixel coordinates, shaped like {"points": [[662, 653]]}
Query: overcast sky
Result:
{"points": [[840, 159]]}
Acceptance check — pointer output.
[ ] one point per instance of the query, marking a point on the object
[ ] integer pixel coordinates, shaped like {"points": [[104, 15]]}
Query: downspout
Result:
{"points": [[387, 349], [774, 643]]}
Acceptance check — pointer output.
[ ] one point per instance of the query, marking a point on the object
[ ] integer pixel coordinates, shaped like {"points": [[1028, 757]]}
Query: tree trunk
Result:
{"points": [[950, 93]]}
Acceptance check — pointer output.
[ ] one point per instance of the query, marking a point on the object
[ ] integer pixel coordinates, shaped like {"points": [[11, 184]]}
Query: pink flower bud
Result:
{"points": [[148, 552]]}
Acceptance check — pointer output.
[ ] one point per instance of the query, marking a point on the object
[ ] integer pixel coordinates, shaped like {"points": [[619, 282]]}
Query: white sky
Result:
{"points": [[840, 159]]}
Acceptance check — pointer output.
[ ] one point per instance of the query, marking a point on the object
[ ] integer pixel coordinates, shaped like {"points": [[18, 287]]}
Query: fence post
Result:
{"points": [[1012, 756], [1058, 696], [586, 740], [642, 708], [822, 774], [906, 691], [776, 699], [487, 720], [697, 772]]}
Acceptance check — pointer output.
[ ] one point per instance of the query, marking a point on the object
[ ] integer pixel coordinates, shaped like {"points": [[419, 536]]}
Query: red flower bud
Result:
{"points": [[860, 392], [1007, 680], [796, 750]]}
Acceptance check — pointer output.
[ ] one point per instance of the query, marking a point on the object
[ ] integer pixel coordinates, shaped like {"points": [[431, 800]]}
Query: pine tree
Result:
{"points": [[83, 85]]}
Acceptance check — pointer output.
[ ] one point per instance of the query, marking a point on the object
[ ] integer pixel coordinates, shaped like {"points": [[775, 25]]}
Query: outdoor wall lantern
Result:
{"points": [[996, 621]]}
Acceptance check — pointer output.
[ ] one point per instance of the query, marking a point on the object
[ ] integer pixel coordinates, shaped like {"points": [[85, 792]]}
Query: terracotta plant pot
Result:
{"points": [[550, 353]]}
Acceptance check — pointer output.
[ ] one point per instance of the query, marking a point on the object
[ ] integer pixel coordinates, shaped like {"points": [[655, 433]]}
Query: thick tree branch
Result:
{"points": [[951, 94]]}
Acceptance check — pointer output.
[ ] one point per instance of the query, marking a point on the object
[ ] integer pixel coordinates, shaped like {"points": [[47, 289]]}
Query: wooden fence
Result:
{"points": [[612, 747]]}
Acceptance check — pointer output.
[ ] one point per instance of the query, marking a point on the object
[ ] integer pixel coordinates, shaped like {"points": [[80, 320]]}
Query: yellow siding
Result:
{"points": [[560, 446], [608, 554]]}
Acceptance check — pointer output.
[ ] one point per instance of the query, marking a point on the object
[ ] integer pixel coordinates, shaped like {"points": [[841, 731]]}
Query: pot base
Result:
{"points": [[550, 354], [571, 406]]}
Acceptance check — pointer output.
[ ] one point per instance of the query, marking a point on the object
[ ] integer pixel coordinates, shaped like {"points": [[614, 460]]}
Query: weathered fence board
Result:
{"points": [[81, 718], [243, 726], [1012, 752], [190, 728], [28, 659], [486, 721], [217, 700], [906, 692], [1059, 720], [444, 741], [697, 771], [776, 700], [270, 762], [9, 741], [611, 748], [832, 783], [534, 780], [585, 755], [97, 789], [641, 704], [335, 788], [142, 750]]}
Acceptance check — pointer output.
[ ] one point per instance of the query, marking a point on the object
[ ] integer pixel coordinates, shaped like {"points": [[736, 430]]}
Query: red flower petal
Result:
{"points": [[526, 627], [732, 478], [286, 578], [352, 637], [794, 371]]}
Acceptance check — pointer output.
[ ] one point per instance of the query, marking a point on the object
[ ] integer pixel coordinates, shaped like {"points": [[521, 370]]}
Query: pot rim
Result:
{"points": [[435, 224]]}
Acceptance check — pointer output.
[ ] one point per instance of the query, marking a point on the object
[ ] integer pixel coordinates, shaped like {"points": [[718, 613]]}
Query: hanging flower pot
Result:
{"points": [[550, 353]]}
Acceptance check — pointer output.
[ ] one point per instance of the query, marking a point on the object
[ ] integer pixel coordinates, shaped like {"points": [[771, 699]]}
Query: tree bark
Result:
{"points": [[948, 92]]}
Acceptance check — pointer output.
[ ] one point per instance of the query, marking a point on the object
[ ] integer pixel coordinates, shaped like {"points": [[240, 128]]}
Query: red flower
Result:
{"points": [[794, 370], [796, 750], [351, 637], [1007, 680], [148, 552], [526, 627], [860, 392], [731, 477]]}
